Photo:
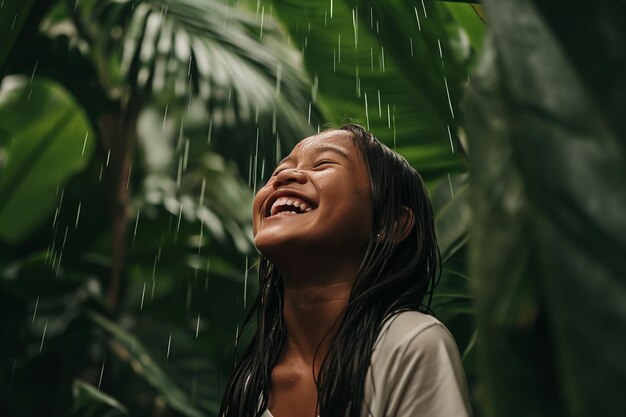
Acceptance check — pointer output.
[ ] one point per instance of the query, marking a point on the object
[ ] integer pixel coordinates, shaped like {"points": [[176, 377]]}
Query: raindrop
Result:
{"points": [[58, 210], [256, 159], [250, 171], [43, 336], [411, 42], [101, 373], [77, 215], [164, 117], [156, 257], [450, 184], [143, 294], [315, 88], [382, 57], [84, 143], [208, 140], [355, 25], [262, 18], [15, 18], [331, 9], [108, 157], [180, 215], [450, 137], [169, 345], [380, 111], [186, 157], [309, 118], [419, 25], [448, 94], [339, 47], [35, 311], [198, 326], [424, 7], [367, 116], [179, 172], [136, 223], [202, 189], [180, 134], [34, 69], [61, 252]]}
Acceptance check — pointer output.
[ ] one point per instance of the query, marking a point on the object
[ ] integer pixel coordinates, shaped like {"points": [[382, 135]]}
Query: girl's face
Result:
{"points": [[318, 201]]}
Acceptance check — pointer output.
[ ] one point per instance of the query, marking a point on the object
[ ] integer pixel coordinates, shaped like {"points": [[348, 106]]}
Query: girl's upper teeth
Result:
{"points": [[290, 201]]}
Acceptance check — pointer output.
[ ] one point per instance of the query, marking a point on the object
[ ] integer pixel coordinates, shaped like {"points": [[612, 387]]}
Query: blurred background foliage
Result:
{"points": [[133, 134]]}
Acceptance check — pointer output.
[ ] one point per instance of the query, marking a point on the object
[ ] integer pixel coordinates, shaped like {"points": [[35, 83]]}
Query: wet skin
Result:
{"points": [[318, 250]]}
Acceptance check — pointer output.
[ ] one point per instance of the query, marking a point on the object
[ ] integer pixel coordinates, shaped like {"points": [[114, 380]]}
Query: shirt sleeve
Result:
{"points": [[416, 371], [425, 377]]}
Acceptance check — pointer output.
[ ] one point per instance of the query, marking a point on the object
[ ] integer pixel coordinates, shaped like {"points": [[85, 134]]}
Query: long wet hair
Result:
{"points": [[395, 275]]}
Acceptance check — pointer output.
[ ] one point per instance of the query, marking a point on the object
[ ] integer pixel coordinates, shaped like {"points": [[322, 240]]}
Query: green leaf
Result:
{"points": [[548, 231], [377, 64], [91, 402], [50, 140], [237, 63], [13, 14], [468, 19], [132, 350], [452, 214]]}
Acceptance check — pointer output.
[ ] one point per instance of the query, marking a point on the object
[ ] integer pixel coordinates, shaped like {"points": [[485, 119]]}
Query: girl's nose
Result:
{"points": [[288, 176]]}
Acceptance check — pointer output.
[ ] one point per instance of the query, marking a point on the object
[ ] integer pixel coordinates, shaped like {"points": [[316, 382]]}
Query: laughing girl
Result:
{"points": [[348, 268]]}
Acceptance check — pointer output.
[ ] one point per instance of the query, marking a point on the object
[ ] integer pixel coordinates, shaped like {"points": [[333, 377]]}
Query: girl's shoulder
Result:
{"points": [[415, 369], [410, 329]]}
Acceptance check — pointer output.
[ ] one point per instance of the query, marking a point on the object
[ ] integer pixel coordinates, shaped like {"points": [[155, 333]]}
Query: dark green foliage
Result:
{"points": [[548, 197]]}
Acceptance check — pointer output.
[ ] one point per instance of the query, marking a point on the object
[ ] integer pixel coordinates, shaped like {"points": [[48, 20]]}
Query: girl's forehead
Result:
{"points": [[340, 139]]}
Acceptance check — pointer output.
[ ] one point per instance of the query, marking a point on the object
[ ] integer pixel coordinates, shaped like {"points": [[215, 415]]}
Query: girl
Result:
{"points": [[349, 263]]}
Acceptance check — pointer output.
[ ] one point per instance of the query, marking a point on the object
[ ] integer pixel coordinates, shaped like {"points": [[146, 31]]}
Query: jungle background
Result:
{"points": [[133, 134]]}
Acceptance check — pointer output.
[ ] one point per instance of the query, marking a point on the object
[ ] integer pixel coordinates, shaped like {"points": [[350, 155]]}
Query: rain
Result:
{"points": [[152, 126]]}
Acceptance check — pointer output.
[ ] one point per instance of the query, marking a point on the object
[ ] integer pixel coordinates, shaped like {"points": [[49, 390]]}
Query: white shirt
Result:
{"points": [[416, 370]]}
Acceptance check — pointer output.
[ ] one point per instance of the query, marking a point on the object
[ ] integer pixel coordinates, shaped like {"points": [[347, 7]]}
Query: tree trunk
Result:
{"points": [[118, 132]]}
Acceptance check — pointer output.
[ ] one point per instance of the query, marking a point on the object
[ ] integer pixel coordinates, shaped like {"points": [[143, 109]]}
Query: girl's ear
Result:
{"points": [[402, 227], [407, 221]]}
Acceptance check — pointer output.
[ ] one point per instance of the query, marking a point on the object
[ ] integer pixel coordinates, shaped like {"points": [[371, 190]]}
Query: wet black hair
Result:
{"points": [[399, 272]]}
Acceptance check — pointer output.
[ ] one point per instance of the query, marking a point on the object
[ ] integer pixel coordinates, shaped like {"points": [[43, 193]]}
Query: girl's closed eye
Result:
{"points": [[324, 162]]}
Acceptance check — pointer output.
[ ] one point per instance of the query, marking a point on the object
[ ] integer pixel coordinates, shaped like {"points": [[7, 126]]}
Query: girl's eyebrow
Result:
{"points": [[321, 149]]}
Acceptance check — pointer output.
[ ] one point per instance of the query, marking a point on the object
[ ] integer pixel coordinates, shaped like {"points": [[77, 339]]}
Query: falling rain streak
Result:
{"points": [[35, 310], [77, 215], [43, 336]]}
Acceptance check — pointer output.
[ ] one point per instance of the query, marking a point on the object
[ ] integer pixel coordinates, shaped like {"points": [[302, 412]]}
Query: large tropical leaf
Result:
{"points": [[239, 64], [47, 140], [393, 65], [129, 348], [548, 201]]}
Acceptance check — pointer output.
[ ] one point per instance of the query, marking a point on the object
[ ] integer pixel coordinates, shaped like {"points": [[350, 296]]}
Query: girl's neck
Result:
{"points": [[312, 311]]}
